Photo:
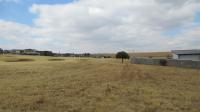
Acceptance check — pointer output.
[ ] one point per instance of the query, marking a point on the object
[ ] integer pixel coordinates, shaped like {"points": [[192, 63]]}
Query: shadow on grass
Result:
{"points": [[18, 60], [56, 59]]}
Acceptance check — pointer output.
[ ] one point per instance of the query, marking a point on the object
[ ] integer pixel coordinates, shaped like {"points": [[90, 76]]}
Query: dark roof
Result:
{"points": [[193, 51], [30, 49]]}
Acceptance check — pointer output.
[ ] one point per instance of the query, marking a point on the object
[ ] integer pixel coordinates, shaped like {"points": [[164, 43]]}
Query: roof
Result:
{"points": [[193, 51], [30, 49]]}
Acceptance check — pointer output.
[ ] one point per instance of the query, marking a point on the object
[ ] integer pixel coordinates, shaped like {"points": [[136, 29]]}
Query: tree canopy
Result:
{"points": [[1, 50], [122, 55]]}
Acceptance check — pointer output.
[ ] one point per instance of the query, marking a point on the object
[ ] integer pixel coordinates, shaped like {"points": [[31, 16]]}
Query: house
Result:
{"points": [[30, 52], [45, 53], [15, 51], [68, 55], [7, 51], [193, 55]]}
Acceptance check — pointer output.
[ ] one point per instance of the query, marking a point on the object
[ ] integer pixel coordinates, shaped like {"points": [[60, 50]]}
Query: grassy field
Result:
{"points": [[152, 54], [50, 84], [143, 54]]}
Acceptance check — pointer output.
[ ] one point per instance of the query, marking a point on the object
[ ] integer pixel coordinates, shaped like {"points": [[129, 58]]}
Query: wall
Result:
{"points": [[190, 57], [169, 62], [174, 56]]}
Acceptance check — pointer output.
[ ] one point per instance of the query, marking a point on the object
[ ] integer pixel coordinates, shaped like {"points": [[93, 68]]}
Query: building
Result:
{"points": [[45, 53], [6, 51], [30, 52], [193, 55], [14, 51]]}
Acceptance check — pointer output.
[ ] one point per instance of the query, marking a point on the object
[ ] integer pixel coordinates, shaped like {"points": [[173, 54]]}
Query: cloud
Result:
{"points": [[110, 26], [22, 36]]}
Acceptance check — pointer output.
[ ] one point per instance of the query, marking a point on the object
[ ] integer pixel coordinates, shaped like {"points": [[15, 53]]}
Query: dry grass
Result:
{"points": [[96, 85], [144, 54], [12, 58], [152, 54]]}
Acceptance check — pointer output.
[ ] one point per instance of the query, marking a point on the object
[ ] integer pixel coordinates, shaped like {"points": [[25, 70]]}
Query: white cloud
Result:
{"points": [[22, 36], [109, 26]]}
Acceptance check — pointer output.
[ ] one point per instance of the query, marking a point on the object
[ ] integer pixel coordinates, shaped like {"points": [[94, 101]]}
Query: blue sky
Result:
{"points": [[173, 32], [97, 26], [19, 11], [197, 18]]}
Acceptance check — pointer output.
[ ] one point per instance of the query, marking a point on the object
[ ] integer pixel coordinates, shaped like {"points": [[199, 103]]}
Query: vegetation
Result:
{"points": [[1, 51], [95, 85], [163, 62], [122, 55]]}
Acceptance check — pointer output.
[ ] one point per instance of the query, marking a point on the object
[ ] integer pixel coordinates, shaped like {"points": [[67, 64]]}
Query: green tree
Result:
{"points": [[122, 55], [1, 51]]}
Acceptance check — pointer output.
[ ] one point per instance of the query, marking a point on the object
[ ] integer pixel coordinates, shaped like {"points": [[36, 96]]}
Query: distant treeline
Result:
{"points": [[50, 53]]}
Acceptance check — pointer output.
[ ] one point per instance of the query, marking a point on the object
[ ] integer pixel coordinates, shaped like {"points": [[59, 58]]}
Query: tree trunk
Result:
{"points": [[122, 60]]}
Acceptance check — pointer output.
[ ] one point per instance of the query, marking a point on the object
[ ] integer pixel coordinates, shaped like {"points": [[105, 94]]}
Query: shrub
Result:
{"points": [[1, 51], [150, 57], [163, 62]]}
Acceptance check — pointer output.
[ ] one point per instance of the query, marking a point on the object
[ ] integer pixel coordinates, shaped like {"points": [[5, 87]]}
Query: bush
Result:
{"points": [[1, 51], [163, 62], [107, 57]]}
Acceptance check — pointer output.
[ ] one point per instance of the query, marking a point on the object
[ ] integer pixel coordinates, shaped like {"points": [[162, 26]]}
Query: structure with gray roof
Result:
{"points": [[193, 54]]}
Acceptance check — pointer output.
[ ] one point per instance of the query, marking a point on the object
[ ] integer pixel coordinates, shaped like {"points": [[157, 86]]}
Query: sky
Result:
{"points": [[100, 26]]}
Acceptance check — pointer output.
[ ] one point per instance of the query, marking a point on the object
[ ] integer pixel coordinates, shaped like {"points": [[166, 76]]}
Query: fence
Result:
{"points": [[167, 62]]}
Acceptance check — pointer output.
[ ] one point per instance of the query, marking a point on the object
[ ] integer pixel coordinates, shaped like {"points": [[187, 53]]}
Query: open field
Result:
{"points": [[55, 84], [152, 54], [144, 54]]}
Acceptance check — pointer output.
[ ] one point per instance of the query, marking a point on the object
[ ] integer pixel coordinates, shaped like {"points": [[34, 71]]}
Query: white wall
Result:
{"points": [[190, 57], [174, 56]]}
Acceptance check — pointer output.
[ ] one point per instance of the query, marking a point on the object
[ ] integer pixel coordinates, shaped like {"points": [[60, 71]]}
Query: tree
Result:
{"points": [[1, 51], [123, 55]]}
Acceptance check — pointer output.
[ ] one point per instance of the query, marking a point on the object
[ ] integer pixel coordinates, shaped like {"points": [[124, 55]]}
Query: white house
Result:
{"points": [[193, 55], [30, 52]]}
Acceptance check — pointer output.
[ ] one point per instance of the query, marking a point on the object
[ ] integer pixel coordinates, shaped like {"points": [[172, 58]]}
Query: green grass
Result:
{"points": [[95, 85]]}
